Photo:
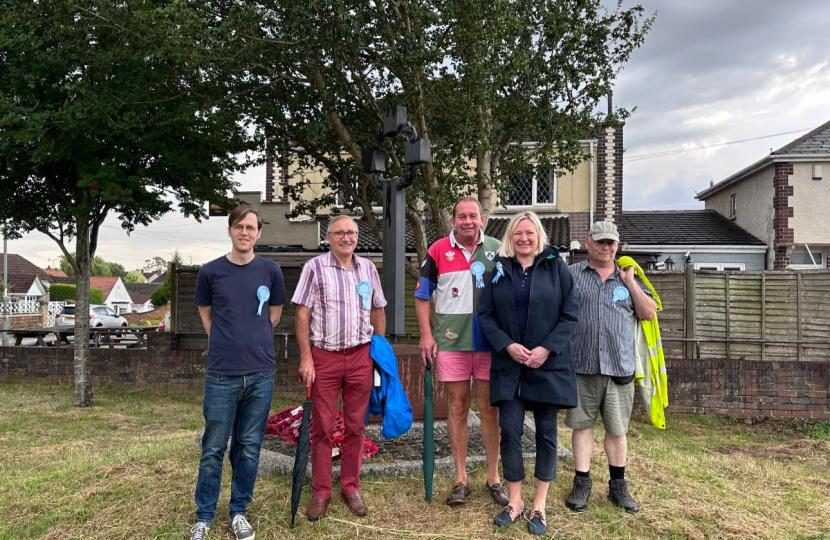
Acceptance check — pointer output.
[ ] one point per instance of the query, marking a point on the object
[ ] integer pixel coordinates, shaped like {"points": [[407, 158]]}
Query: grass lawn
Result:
{"points": [[126, 469]]}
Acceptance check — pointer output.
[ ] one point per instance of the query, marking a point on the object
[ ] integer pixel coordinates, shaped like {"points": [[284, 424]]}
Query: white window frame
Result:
{"points": [[535, 190], [721, 267], [816, 255], [733, 206]]}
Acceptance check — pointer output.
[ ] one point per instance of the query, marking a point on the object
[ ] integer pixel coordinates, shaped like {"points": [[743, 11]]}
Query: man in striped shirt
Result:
{"points": [[611, 299], [339, 305]]}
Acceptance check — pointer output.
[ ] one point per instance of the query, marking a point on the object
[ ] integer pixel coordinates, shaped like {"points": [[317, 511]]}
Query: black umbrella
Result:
{"points": [[301, 457], [429, 433]]}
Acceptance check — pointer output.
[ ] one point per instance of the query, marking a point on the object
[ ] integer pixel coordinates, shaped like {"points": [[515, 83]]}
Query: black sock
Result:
{"points": [[586, 474], [617, 473]]}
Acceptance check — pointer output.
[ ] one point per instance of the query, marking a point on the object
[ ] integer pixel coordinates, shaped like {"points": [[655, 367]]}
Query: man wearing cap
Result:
{"points": [[611, 299], [455, 269]]}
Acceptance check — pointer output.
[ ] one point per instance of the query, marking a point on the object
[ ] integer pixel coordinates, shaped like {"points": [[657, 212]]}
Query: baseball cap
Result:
{"points": [[604, 230]]}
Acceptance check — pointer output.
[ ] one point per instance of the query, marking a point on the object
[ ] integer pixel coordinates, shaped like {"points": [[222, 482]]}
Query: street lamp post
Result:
{"points": [[416, 152]]}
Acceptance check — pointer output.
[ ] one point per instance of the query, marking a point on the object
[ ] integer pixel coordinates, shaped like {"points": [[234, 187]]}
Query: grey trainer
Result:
{"points": [[241, 528], [619, 495], [199, 531], [581, 492]]}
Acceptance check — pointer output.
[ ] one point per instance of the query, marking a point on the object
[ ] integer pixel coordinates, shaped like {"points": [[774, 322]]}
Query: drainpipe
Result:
{"points": [[591, 187]]}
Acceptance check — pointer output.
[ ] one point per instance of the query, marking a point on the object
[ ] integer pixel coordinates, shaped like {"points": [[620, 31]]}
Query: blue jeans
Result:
{"points": [[237, 407], [511, 423]]}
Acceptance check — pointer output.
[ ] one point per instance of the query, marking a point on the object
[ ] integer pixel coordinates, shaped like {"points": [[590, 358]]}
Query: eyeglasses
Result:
{"points": [[341, 234]]}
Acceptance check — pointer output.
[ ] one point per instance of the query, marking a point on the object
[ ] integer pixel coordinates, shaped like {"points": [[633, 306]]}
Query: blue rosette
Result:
{"points": [[364, 289], [263, 293], [477, 269]]}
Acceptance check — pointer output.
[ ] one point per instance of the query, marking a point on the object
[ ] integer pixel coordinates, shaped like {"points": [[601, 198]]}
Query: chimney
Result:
{"points": [[274, 188], [609, 170]]}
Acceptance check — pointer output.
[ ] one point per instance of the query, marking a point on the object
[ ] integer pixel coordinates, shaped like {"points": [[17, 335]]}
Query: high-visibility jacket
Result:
{"points": [[649, 362]]}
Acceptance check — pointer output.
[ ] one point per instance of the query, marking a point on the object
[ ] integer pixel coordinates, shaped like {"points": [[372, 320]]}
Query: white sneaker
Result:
{"points": [[241, 528], [199, 531]]}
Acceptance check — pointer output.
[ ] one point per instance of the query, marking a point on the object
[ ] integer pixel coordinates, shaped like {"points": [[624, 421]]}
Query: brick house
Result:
{"points": [[783, 200]]}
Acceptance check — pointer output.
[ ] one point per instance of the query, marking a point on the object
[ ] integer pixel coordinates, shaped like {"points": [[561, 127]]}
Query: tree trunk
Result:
{"points": [[484, 176], [83, 384]]}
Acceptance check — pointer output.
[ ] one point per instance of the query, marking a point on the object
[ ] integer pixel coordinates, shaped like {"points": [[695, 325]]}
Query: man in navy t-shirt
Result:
{"points": [[240, 298]]}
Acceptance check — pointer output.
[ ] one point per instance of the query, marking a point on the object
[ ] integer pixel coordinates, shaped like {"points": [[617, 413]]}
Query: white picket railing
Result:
{"points": [[17, 307], [54, 309]]}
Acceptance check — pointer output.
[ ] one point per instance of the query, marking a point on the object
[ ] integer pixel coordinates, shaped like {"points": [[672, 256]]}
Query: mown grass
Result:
{"points": [[127, 469]]}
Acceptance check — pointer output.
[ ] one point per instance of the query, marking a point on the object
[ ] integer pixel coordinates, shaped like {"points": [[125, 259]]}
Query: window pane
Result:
{"points": [[522, 189], [545, 187], [802, 257]]}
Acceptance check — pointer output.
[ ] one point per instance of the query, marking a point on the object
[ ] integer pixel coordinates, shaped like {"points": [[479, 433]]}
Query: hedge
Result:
{"points": [[61, 292]]}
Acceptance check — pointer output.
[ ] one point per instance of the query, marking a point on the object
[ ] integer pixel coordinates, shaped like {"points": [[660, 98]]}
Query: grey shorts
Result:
{"points": [[599, 394]]}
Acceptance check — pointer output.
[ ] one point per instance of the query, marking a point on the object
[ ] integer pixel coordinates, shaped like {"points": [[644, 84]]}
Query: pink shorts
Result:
{"points": [[456, 366]]}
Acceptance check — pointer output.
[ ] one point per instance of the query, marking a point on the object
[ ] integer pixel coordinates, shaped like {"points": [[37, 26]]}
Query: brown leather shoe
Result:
{"points": [[459, 494], [317, 508], [355, 503]]}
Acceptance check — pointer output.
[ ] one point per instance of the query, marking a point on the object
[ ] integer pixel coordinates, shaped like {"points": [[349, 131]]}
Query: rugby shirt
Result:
{"points": [[446, 272]]}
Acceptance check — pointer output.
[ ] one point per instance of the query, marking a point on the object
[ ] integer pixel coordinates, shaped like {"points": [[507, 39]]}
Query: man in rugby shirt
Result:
{"points": [[456, 269]]}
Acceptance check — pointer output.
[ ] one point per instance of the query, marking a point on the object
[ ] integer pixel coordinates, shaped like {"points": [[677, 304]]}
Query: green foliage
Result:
{"points": [[62, 292], [156, 264], [134, 277], [162, 295], [821, 430], [96, 296], [476, 78], [99, 267]]}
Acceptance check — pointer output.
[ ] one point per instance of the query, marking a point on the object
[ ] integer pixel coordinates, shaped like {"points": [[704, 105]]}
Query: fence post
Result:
{"points": [[726, 289], [689, 315], [763, 315], [798, 312]]}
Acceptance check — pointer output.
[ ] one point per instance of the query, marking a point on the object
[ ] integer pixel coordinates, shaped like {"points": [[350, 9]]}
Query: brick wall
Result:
{"points": [[579, 226], [609, 173], [750, 389], [25, 321], [783, 211]]}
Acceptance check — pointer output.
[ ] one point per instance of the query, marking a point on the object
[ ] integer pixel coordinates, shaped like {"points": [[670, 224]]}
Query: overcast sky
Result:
{"points": [[710, 72]]}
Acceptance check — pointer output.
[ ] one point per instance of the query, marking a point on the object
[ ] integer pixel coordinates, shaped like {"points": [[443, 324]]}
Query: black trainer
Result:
{"points": [[619, 495], [581, 492]]}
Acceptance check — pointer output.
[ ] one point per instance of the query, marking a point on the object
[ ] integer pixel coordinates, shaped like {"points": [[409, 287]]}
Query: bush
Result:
{"points": [[63, 292], [162, 294]]}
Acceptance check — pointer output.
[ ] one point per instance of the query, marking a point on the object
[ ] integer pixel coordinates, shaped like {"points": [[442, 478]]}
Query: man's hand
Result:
{"points": [[429, 350], [537, 357], [627, 277], [518, 352], [306, 372]]}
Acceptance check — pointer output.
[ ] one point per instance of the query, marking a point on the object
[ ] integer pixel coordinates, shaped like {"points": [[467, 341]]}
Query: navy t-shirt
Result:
{"points": [[241, 341]]}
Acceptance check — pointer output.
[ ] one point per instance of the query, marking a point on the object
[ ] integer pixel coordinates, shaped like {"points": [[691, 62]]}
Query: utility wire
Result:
{"points": [[643, 157]]}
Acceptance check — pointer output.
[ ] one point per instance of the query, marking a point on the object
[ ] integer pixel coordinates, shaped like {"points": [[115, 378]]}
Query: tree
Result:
{"points": [[99, 267], [134, 277], [477, 77], [111, 108], [156, 264], [161, 295]]}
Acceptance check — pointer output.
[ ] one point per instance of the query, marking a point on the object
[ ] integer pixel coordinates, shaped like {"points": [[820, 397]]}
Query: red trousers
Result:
{"points": [[349, 371]]}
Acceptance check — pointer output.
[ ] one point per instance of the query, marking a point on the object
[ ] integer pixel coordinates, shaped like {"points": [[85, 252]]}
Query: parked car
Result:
{"points": [[66, 316], [99, 317], [161, 326]]}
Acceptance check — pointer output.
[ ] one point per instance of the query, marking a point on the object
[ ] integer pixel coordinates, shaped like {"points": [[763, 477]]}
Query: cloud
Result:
{"points": [[712, 72]]}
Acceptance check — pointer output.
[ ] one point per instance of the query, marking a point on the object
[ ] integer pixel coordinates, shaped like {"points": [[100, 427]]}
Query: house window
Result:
{"points": [[721, 267], [816, 172], [733, 207], [800, 260], [535, 186]]}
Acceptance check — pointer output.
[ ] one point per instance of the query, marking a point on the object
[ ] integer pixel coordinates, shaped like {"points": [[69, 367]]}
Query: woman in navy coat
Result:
{"points": [[528, 312]]}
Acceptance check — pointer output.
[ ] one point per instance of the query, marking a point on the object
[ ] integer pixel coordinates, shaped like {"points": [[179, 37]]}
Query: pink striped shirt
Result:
{"points": [[338, 319]]}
